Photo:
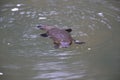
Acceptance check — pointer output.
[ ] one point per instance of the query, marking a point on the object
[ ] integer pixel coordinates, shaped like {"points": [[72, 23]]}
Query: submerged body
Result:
{"points": [[60, 37]]}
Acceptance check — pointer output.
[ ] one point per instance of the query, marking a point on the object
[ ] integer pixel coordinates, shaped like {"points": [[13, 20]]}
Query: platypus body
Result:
{"points": [[60, 37]]}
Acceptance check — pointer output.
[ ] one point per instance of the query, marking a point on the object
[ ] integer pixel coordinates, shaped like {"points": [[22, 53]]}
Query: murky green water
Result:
{"points": [[24, 55]]}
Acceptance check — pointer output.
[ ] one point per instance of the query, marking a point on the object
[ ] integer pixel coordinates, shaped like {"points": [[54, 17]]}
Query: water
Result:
{"points": [[24, 55]]}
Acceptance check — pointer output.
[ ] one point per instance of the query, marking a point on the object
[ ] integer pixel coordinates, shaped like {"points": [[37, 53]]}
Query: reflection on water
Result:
{"points": [[58, 70], [24, 55]]}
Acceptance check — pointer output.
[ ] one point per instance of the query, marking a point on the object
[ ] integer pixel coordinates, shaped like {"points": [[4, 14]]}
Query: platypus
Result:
{"points": [[61, 37]]}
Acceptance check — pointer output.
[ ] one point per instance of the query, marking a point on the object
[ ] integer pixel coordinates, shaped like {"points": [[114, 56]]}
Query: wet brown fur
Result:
{"points": [[60, 37]]}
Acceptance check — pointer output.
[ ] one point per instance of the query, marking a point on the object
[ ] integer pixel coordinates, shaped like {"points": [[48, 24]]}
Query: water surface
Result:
{"points": [[24, 55]]}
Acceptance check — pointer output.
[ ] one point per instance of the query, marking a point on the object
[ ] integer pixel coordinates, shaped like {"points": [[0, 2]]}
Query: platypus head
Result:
{"points": [[45, 27]]}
